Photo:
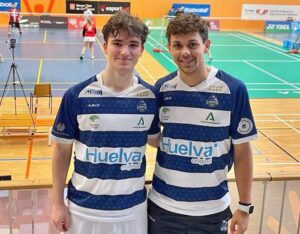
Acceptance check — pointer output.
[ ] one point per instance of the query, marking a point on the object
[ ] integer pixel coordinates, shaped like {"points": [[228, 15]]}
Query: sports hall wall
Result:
{"points": [[149, 9]]}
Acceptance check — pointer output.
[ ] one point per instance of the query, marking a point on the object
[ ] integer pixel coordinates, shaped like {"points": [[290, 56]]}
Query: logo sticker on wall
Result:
{"points": [[39, 7]]}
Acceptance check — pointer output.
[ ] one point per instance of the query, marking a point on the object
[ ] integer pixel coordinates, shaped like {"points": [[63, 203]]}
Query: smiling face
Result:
{"points": [[188, 52], [123, 52]]}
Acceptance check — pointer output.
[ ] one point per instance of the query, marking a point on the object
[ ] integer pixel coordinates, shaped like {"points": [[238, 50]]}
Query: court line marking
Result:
{"points": [[39, 71], [279, 146], [272, 75], [50, 59], [267, 43], [45, 36], [49, 43], [266, 46], [147, 72], [284, 122], [101, 48], [257, 60], [269, 83], [29, 158]]}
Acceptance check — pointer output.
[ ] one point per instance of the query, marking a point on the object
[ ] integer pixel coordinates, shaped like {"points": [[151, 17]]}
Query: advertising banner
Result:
{"points": [[76, 7], [30, 22], [270, 12], [277, 26], [5, 5], [214, 25], [101, 7], [113, 7], [47, 21], [199, 9], [295, 27]]}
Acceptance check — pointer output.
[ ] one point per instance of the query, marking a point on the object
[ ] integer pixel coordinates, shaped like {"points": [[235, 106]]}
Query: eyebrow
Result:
{"points": [[131, 41]]}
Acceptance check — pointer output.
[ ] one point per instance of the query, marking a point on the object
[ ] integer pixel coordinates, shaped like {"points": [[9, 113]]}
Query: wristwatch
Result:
{"points": [[246, 207]]}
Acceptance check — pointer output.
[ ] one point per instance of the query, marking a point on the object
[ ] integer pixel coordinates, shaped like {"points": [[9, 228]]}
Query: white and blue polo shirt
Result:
{"points": [[109, 131], [200, 125]]}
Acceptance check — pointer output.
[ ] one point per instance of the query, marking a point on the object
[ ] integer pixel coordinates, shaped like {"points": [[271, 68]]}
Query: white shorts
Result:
{"points": [[89, 39], [80, 226]]}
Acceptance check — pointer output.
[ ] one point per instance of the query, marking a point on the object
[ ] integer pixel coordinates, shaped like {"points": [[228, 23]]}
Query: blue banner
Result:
{"points": [[198, 9], [277, 26], [295, 26], [5, 5]]}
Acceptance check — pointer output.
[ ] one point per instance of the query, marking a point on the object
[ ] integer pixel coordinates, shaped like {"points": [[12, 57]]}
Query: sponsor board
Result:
{"points": [[199, 9], [30, 22], [101, 7], [6, 5], [270, 12], [214, 25], [277, 26], [47, 21], [76, 7]]}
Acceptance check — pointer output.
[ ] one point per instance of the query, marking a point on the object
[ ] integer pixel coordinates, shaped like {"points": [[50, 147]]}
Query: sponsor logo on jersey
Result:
{"points": [[60, 127], [93, 105], [170, 86], [245, 126], [129, 159], [212, 101], [165, 110], [141, 106], [165, 114], [95, 119], [201, 155], [215, 88], [144, 93], [93, 92], [140, 123], [210, 119]]}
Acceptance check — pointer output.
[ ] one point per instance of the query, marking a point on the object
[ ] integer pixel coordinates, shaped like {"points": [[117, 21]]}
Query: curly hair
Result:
{"points": [[187, 23], [124, 22]]}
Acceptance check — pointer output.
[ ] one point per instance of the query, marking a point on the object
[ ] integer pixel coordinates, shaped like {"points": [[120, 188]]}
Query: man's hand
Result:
{"points": [[239, 222], [61, 217]]}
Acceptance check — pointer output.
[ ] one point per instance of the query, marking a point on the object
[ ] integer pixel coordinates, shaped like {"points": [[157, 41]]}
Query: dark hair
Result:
{"points": [[187, 23], [124, 22]]}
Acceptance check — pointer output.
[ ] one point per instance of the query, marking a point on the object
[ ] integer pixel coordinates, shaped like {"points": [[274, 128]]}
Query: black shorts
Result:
{"points": [[165, 222], [16, 24]]}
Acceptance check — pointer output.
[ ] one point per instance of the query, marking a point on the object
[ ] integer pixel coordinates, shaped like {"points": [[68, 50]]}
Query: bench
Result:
{"points": [[25, 123]]}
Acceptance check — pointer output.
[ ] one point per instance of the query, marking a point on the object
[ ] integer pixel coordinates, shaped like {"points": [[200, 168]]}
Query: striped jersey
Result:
{"points": [[109, 131], [200, 125]]}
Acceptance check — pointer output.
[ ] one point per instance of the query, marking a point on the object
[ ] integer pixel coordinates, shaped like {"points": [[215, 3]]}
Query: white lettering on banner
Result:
{"points": [[200, 10], [7, 4], [113, 9]]}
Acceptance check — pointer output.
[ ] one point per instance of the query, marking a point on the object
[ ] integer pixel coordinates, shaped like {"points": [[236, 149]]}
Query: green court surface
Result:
{"points": [[266, 68]]}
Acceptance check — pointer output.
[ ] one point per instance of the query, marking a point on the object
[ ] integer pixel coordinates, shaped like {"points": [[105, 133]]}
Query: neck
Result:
{"points": [[117, 81], [195, 78]]}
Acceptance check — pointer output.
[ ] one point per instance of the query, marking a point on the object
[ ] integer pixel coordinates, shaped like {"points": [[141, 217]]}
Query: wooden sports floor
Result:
{"points": [[52, 56]]}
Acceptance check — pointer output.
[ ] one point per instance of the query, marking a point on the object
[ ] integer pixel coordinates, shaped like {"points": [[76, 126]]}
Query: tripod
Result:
{"points": [[16, 81]]}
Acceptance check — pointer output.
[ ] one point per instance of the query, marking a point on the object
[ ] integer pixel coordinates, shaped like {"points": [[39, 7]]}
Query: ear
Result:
{"points": [[169, 46], [105, 47], [207, 45]]}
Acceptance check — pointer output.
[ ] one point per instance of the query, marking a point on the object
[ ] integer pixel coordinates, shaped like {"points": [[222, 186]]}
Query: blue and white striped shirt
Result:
{"points": [[110, 132], [200, 126]]}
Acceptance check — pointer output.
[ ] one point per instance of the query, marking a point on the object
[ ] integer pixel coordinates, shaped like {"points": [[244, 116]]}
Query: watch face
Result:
{"points": [[251, 209]]}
